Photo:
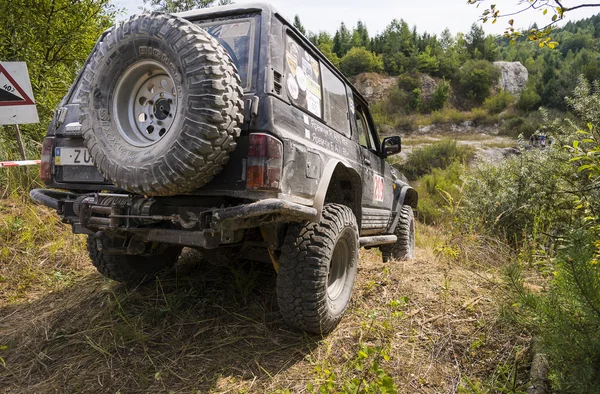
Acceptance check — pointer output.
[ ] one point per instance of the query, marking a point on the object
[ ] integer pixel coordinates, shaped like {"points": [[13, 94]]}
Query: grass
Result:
{"points": [[37, 251], [423, 325]]}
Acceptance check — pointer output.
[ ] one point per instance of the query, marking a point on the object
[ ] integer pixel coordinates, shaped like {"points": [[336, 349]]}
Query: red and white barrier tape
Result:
{"points": [[19, 163]]}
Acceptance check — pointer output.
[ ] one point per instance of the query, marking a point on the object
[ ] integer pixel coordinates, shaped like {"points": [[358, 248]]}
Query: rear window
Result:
{"points": [[335, 102], [238, 38], [303, 78]]}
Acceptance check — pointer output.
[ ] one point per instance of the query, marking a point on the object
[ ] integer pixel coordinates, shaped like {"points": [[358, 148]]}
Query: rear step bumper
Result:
{"points": [[117, 218]]}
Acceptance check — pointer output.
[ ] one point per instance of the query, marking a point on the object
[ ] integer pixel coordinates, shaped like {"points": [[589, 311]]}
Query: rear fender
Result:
{"points": [[333, 169]]}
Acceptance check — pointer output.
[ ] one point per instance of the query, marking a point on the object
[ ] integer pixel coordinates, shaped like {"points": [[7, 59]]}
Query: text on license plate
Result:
{"points": [[72, 157]]}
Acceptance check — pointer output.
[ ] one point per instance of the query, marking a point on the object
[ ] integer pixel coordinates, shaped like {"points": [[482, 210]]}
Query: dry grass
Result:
{"points": [[207, 328], [38, 253]]}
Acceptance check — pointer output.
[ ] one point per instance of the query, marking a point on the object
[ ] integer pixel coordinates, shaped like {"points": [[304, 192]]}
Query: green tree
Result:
{"points": [[173, 6], [427, 62], [359, 60], [396, 46], [476, 78], [298, 24], [360, 36], [479, 46], [324, 43], [54, 38], [342, 40]]}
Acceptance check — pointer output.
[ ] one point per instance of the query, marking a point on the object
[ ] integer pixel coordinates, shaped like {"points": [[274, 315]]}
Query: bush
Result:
{"points": [[440, 95], [360, 60], [507, 199], [438, 155], [566, 316], [409, 82], [498, 102], [438, 192], [476, 78], [529, 100], [397, 101], [414, 100]]}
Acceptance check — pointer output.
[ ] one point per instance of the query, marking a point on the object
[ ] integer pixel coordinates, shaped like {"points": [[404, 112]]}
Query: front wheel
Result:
{"points": [[318, 266], [132, 269], [404, 248]]}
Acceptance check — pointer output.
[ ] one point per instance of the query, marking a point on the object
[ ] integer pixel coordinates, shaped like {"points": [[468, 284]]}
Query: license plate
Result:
{"points": [[72, 157]]}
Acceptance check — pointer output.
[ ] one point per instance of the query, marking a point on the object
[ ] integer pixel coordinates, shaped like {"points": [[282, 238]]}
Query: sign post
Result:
{"points": [[16, 99]]}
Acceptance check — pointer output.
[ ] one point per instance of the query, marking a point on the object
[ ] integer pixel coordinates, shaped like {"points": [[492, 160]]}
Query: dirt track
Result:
{"points": [[217, 329]]}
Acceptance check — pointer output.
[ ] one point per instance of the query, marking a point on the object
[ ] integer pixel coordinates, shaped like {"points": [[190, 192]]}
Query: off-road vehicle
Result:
{"points": [[226, 130]]}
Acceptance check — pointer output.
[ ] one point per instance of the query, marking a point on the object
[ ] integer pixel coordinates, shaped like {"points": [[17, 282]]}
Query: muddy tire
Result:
{"points": [[318, 266], [131, 270], [161, 105], [404, 248]]}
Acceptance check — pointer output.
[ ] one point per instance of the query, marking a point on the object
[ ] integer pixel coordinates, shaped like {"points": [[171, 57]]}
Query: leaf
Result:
{"points": [[511, 22], [554, 18], [545, 11]]}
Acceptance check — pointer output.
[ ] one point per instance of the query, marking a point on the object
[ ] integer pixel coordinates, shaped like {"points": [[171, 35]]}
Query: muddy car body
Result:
{"points": [[299, 152]]}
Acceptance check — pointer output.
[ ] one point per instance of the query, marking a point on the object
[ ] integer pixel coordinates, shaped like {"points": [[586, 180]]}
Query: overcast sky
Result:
{"points": [[428, 15]]}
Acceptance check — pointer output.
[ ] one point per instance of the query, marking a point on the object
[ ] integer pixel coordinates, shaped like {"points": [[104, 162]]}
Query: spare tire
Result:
{"points": [[161, 105]]}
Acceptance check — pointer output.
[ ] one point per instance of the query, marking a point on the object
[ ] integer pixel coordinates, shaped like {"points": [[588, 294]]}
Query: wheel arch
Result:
{"points": [[341, 184]]}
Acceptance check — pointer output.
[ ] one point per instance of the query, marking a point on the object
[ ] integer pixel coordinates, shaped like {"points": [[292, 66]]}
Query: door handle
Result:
{"points": [[367, 162]]}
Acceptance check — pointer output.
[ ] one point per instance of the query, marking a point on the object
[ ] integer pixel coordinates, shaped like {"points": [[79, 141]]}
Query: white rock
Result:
{"points": [[513, 78]]}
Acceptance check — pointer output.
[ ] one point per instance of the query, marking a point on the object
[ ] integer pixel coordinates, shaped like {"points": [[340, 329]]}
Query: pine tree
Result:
{"points": [[298, 25]]}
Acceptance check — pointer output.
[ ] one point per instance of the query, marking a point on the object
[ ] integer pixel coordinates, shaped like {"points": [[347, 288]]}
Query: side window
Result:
{"points": [[363, 130], [365, 135], [303, 78], [335, 102]]}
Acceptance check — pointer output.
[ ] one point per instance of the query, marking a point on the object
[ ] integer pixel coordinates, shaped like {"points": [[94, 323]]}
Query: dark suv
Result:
{"points": [[226, 130]]}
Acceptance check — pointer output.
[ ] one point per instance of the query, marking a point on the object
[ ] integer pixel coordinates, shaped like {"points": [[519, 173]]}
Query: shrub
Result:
{"points": [[476, 78], [397, 100], [360, 60], [438, 155], [529, 100], [509, 198], [414, 100], [438, 192], [440, 95], [409, 82], [498, 102]]}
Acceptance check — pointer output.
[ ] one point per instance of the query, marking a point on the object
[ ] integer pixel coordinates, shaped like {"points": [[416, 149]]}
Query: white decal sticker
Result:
{"points": [[313, 103], [292, 87], [351, 105], [307, 133], [378, 188], [306, 119], [301, 78]]}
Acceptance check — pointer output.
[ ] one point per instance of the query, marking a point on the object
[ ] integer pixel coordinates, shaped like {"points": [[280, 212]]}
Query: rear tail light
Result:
{"points": [[265, 160], [46, 165]]}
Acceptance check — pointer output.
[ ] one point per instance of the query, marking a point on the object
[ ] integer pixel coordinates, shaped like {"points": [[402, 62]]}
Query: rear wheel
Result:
{"points": [[404, 248], [132, 269], [318, 266]]}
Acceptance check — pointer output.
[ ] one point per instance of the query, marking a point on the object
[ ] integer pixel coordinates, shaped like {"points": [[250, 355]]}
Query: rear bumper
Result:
{"points": [[189, 226]]}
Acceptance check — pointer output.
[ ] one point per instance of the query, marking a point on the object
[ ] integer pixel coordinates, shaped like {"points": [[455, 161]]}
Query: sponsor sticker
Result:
{"points": [[292, 87], [301, 78], [313, 103], [378, 188]]}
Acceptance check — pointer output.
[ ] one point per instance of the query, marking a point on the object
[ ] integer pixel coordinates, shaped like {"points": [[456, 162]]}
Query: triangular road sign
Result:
{"points": [[11, 93]]}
